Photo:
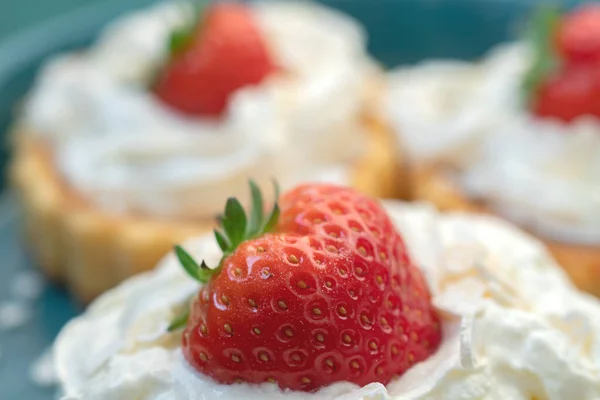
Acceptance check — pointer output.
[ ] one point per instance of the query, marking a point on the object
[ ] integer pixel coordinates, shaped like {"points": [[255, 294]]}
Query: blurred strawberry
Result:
{"points": [[572, 92], [563, 81], [221, 54], [578, 38]]}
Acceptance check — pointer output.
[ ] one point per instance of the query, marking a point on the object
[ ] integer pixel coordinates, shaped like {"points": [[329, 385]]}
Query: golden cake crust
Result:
{"points": [[91, 250], [432, 184], [76, 243]]}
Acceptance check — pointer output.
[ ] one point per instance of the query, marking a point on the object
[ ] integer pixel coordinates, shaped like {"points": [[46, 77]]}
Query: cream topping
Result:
{"points": [[540, 173], [544, 175], [514, 326], [443, 109], [117, 144]]}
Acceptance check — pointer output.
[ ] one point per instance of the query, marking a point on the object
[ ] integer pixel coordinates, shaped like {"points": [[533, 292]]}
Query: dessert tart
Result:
{"points": [[517, 135], [341, 297], [128, 147]]}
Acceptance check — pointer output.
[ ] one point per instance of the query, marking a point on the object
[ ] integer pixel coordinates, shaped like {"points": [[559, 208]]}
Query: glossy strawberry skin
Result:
{"points": [[571, 93], [227, 53], [578, 38], [323, 300]]}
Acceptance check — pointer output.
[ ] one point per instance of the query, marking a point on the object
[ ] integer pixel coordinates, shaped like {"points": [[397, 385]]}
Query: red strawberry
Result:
{"points": [[329, 295], [564, 79], [225, 53], [572, 92], [579, 35]]}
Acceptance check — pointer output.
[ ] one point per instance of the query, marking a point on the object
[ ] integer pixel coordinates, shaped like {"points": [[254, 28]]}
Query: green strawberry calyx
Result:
{"points": [[541, 38], [235, 228], [182, 37]]}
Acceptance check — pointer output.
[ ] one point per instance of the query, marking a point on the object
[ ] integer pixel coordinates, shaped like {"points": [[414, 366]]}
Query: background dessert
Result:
{"points": [[511, 136], [112, 172]]}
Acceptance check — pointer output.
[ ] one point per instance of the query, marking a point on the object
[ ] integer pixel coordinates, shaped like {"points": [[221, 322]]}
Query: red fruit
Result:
{"points": [[307, 204], [330, 295], [571, 93], [227, 52], [579, 35]]}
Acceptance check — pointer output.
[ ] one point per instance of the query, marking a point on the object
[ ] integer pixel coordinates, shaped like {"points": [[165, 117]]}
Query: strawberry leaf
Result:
{"points": [[269, 225], [541, 36], [222, 241], [234, 222], [204, 266], [272, 221], [256, 215], [179, 40], [192, 268], [182, 37]]}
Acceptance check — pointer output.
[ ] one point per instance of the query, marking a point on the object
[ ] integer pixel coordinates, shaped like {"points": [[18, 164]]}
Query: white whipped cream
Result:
{"points": [[124, 149], [540, 173], [514, 326], [442, 109], [544, 175]]}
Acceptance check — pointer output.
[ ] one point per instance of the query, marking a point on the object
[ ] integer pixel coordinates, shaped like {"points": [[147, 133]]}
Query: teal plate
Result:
{"points": [[401, 31]]}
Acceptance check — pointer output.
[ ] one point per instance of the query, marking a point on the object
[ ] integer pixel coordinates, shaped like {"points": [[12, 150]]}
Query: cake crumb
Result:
{"points": [[13, 314]]}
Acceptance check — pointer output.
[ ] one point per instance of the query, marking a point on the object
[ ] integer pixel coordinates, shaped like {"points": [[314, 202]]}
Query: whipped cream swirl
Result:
{"points": [[514, 326], [443, 109], [127, 152], [543, 175], [470, 117]]}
